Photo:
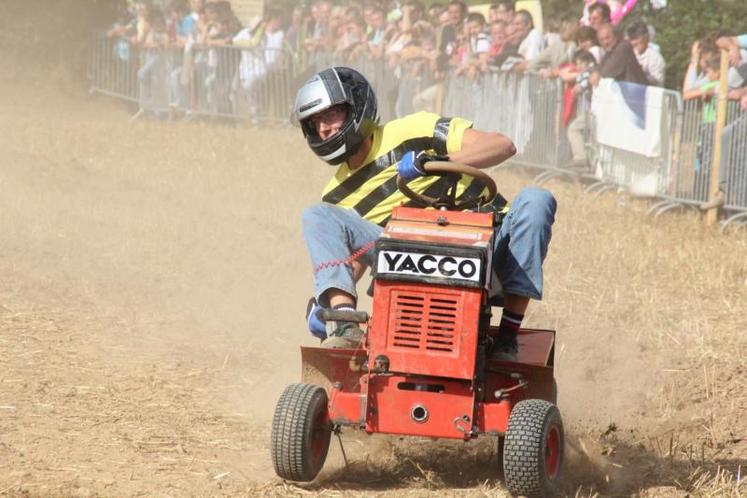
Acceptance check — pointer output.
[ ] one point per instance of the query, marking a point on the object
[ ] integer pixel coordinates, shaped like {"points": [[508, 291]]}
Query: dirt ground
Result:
{"points": [[153, 281], [152, 287]]}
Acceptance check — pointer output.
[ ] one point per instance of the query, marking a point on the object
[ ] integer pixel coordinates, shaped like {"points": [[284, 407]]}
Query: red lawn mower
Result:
{"points": [[423, 368]]}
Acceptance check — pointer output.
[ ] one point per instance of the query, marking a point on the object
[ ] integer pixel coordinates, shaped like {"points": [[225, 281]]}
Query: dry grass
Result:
{"points": [[148, 280]]}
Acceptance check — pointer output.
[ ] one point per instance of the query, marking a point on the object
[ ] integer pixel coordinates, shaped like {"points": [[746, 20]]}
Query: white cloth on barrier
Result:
{"points": [[628, 116]]}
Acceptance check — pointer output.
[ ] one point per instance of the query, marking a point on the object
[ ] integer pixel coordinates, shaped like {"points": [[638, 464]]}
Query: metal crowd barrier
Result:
{"points": [[646, 176], [259, 85], [690, 172], [689, 175], [529, 110], [254, 84], [734, 165], [113, 68], [526, 108]]}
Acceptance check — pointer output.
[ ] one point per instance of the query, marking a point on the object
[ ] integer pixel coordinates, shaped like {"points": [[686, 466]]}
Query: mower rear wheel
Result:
{"points": [[533, 451], [300, 432]]}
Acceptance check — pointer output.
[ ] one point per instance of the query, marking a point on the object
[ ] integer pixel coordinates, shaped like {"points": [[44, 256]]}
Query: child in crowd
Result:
{"points": [[576, 100], [477, 48], [705, 91]]}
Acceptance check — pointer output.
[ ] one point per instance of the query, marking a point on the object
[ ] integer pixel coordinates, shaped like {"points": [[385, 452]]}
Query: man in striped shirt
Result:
{"points": [[337, 110]]}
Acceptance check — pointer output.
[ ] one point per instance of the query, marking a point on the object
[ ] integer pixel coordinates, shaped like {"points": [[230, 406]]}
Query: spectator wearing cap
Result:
{"points": [[530, 40], [619, 62], [648, 57]]}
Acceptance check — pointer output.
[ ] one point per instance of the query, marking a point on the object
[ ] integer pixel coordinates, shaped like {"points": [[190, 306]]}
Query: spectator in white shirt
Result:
{"points": [[531, 41], [648, 57], [262, 51]]}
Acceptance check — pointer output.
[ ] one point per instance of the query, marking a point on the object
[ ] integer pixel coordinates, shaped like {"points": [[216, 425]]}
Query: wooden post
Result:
{"points": [[723, 88]]}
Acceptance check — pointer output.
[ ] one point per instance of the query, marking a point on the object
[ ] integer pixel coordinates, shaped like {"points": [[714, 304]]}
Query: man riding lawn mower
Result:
{"points": [[337, 110], [409, 200]]}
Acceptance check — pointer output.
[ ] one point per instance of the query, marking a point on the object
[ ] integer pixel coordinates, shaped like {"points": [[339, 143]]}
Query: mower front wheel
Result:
{"points": [[533, 450], [300, 432]]}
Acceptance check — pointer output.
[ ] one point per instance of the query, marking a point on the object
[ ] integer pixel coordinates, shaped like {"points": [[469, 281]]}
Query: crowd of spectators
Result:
{"points": [[181, 56], [701, 82], [411, 37], [413, 41]]}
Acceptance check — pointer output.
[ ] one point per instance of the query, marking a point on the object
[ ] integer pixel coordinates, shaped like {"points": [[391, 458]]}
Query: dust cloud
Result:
{"points": [[153, 283]]}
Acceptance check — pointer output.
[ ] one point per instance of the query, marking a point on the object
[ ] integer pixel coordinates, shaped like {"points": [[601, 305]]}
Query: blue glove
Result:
{"points": [[316, 326], [411, 166]]}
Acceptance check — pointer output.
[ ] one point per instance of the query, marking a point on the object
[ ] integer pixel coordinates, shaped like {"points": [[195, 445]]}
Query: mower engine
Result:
{"points": [[429, 294]]}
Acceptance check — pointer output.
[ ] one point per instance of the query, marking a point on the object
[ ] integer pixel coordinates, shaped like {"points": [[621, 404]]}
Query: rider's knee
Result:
{"points": [[537, 205], [316, 213]]}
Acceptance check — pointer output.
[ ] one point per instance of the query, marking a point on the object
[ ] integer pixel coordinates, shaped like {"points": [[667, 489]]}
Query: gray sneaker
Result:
{"points": [[346, 336], [504, 348]]}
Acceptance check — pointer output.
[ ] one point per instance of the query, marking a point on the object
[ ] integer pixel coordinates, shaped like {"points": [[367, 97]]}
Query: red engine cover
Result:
{"points": [[425, 329], [394, 409]]}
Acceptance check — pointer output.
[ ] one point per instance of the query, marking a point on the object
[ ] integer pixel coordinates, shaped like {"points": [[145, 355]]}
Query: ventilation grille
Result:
{"points": [[425, 322]]}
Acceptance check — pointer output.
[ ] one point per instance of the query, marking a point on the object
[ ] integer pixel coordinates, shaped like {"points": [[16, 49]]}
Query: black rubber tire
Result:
{"points": [[300, 436], [534, 443], [554, 394], [500, 445]]}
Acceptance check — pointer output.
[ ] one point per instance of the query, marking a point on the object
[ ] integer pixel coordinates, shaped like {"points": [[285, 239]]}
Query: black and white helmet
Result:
{"points": [[333, 86]]}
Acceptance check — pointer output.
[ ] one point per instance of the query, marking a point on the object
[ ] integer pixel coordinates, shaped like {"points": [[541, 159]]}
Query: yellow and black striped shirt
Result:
{"points": [[371, 189]]}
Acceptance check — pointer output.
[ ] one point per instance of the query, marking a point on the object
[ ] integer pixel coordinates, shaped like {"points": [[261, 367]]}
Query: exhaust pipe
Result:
{"points": [[419, 414]]}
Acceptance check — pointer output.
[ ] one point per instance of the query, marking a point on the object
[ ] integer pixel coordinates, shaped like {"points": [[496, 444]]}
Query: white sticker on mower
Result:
{"points": [[428, 265]]}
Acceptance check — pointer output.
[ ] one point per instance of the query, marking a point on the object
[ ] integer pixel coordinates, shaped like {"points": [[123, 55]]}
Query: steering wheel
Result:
{"points": [[452, 171]]}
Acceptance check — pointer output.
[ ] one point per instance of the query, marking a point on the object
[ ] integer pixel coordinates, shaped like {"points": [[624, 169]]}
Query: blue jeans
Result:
{"points": [[333, 233]]}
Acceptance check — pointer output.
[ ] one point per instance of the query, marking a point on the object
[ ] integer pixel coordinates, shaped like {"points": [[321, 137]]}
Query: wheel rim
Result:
{"points": [[318, 436], [552, 452]]}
